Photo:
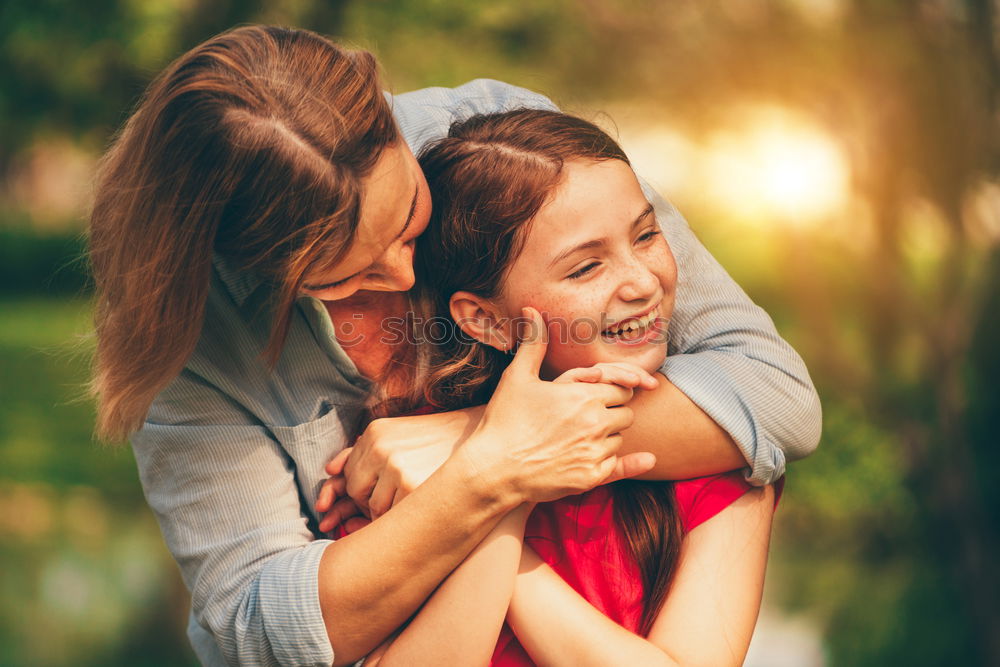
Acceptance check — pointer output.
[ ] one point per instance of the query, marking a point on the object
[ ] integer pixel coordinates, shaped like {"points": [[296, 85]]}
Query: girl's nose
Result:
{"points": [[638, 284]]}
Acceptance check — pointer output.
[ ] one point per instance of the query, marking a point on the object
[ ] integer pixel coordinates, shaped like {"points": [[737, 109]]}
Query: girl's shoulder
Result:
{"points": [[701, 498]]}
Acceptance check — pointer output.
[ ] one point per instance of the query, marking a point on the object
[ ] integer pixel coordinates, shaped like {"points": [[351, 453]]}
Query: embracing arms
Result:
{"points": [[707, 619], [230, 502]]}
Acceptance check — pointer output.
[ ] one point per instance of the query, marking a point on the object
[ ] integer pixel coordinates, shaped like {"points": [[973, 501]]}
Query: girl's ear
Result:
{"points": [[482, 320]]}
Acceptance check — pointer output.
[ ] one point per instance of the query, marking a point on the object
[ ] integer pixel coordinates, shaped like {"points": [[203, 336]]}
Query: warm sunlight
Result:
{"points": [[768, 165], [777, 166]]}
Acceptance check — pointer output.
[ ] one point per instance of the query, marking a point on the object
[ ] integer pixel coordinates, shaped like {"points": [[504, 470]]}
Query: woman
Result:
{"points": [[259, 207], [513, 191]]}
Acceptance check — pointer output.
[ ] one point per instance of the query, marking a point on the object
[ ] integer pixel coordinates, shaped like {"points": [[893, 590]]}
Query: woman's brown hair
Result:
{"points": [[488, 179], [251, 146]]}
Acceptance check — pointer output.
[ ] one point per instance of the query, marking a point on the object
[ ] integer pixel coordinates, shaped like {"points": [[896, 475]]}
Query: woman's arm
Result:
{"points": [[395, 455], [461, 621], [707, 619], [727, 357]]}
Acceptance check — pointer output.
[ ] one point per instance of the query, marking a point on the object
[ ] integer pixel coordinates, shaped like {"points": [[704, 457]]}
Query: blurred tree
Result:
{"points": [[77, 68]]}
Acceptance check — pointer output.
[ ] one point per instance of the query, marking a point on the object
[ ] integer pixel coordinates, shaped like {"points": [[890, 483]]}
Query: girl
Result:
{"points": [[539, 210]]}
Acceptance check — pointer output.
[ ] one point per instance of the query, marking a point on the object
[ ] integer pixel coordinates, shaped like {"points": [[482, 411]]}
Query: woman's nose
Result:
{"points": [[394, 272]]}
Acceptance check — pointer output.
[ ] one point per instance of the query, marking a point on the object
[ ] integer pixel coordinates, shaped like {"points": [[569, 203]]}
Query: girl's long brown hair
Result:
{"points": [[488, 178], [251, 146]]}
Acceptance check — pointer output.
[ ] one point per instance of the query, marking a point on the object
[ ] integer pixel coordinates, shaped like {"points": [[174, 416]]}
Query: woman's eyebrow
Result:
{"points": [[409, 219], [596, 243]]}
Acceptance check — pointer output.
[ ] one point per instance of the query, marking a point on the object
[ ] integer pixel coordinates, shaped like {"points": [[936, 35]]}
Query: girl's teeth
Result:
{"points": [[635, 325]]}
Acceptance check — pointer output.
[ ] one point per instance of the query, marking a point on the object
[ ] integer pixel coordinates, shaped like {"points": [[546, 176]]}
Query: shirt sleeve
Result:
{"points": [[727, 357], [426, 114], [228, 506]]}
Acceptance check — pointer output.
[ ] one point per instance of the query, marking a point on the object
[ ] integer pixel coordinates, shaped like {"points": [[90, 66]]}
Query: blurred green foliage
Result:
{"points": [[41, 264], [888, 537], [86, 578]]}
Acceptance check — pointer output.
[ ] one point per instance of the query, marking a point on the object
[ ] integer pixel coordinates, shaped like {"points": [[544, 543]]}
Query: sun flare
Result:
{"points": [[777, 167], [769, 165]]}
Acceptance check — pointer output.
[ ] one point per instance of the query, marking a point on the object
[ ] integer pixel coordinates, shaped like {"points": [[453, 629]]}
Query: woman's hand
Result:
{"points": [[395, 455], [580, 425], [540, 440]]}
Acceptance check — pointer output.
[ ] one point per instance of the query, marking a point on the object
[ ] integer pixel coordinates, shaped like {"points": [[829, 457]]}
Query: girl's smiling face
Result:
{"points": [[596, 265]]}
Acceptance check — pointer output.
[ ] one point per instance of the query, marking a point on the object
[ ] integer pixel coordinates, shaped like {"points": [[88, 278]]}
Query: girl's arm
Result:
{"points": [[707, 619], [461, 621]]}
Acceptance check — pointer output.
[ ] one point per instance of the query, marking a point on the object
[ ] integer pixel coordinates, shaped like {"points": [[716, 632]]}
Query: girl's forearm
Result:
{"points": [[557, 626], [687, 442], [461, 621]]}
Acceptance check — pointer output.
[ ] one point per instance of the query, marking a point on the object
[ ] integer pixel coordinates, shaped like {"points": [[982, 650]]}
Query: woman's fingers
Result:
{"points": [[584, 374], [611, 394], [627, 375], [631, 465], [325, 497], [382, 496], [614, 374], [333, 488], [338, 462], [532, 344], [622, 374]]}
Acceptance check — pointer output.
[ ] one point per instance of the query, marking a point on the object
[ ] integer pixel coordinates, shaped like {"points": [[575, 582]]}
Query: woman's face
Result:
{"points": [[597, 267], [395, 208]]}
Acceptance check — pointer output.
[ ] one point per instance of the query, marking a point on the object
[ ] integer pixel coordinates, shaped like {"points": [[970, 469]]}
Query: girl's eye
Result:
{"points": [[648, 236], [580, 273]]}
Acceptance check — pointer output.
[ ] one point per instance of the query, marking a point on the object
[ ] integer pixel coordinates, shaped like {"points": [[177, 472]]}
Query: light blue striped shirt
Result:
{"points": [[231, 457]]}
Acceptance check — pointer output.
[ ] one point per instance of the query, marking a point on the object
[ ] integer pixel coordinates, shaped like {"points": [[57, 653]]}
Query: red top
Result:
{"points": [[579, 539]]}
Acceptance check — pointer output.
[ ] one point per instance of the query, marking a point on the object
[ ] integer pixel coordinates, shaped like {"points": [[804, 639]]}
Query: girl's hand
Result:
{"points": [[620, 373], [395, 455]]}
